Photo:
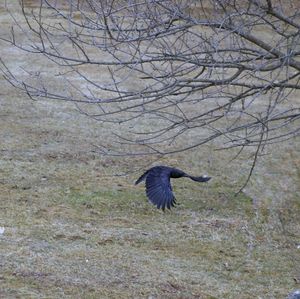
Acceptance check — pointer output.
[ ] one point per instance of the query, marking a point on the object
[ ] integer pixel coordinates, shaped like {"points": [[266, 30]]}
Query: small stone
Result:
{"points": [[294, 295]]}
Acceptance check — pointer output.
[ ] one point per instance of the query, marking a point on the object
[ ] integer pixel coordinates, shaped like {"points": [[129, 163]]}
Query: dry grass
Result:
{"points": [[72, 230]]}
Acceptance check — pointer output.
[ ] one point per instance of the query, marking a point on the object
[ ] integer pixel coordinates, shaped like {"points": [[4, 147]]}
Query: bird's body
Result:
{"points": [[158, 186]]}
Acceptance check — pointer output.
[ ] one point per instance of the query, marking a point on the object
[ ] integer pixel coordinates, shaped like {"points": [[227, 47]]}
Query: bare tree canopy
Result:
{"points": [[188, 71]]}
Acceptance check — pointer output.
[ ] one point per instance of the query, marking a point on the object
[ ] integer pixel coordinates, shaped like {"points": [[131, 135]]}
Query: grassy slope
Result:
{"points": [[73, 230]]}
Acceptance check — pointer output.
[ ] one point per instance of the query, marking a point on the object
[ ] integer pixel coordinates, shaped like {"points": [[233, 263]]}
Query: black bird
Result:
{"points": [[158, 187]]}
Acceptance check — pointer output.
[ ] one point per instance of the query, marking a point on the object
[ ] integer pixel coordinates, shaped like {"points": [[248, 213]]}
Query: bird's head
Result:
{"points": [[203, 178]]}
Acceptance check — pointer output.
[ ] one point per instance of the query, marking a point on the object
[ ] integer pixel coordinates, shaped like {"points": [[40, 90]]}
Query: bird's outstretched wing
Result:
{"points": [[158, 188], [142, 177]]}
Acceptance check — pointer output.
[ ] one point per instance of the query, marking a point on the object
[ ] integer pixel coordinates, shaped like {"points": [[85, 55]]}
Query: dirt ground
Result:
{"points": [[70, 228]]}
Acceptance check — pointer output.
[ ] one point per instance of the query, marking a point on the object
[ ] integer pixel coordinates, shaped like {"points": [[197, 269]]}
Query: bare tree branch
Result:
{"points": [[189, 72]]}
